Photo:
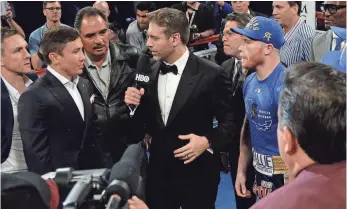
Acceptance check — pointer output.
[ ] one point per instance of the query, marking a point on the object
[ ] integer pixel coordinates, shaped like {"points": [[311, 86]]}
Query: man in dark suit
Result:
{"points": [[185, 94], [236, 76], [15, 77], [55, 113]]}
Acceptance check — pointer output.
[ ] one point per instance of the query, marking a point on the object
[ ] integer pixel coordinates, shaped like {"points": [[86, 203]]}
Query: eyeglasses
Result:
{"points": [[53, 8], [332, 8]]}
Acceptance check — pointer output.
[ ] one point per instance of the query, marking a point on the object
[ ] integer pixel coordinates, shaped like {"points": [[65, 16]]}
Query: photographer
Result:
{"points": [[201, 16]]}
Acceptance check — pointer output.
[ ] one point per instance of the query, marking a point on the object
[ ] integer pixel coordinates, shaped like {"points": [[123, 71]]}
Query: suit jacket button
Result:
{"points": [[69, 129]]}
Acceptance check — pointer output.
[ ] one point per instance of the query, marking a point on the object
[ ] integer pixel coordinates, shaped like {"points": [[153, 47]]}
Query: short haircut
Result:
{"points": [[145, 5], [293, 3], [88, 12], [46, 2], [6, 33], [240, 18], [174, 20], [55, 41], [313, 107]]}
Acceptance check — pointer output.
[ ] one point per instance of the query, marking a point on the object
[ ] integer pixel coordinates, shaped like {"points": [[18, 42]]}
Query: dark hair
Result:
{"points": [[240, 18], [313, 107], [293, 3], [55, 41], [46, 2], [88, 12], [174, 20], [145, 5], [6, 33]]}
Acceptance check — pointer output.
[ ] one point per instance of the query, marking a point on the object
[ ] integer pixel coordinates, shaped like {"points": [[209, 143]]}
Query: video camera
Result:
{"points": [[102, 188]]}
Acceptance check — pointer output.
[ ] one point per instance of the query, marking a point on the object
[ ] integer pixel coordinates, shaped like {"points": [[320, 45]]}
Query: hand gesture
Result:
{"points": [[196, 146]]}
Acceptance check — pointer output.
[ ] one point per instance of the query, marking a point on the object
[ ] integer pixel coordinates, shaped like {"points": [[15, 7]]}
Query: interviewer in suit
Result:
{"points": [[178, 110], [55, 113]]}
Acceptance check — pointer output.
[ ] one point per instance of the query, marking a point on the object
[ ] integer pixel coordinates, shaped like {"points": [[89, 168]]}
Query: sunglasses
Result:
{"points": [[331, 8]]}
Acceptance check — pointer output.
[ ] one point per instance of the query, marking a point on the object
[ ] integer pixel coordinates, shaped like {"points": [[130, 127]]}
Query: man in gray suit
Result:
{"points": [[334, 15]]}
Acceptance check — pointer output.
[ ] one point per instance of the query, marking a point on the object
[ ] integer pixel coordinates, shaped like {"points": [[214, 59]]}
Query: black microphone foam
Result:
{"points": [[125, 178], [142, 72]]}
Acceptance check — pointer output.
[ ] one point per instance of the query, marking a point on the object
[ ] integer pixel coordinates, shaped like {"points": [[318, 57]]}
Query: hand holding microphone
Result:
{"points": [[133, 94]]}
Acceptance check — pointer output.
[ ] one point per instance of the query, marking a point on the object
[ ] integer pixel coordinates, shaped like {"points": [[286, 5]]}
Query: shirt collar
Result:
{"points": [[89, 63], [181, 62], [62, 79], [292, 30], [334, 35], [13, 91]]}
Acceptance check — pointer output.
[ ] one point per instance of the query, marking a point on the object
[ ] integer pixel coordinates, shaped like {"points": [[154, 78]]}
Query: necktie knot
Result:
{"points": [[164, 68]]}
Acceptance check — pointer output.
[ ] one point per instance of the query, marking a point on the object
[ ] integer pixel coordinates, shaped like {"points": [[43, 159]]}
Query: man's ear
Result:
{"points": [[176, 38], [290, 141], [54, 57], [268, 49]]}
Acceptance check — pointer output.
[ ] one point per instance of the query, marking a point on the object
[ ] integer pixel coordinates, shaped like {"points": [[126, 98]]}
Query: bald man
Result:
{"points": [[103, 6]]}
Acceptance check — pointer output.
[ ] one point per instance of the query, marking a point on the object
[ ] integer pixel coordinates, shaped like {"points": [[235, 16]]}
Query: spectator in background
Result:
{"points": [[297, 34], [52, 11], [220, 10], [15, 77], [243, 7], [312, 139], [103, 6], [10, 21], [114, 32], [110, 69], [136, 34], [334, 15], [236, 76], [337, 59], [201, 16]]}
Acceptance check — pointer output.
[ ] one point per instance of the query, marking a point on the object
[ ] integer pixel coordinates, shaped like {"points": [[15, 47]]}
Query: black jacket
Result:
{"points": [[53, 132], [113, 114], [7, 119]]}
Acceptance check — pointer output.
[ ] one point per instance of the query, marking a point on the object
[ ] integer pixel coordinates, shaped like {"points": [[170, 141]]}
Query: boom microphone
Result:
{"points": [[141, 79], [125, 179]]}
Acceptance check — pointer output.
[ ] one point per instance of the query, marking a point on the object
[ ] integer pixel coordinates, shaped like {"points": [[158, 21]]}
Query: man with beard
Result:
{"points": [[52, 11], [109, 67], [262, 40], [136, 34], [334, 15], [236, 75]]}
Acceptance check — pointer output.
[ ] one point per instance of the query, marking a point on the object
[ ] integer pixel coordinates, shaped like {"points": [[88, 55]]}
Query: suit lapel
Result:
{"points": [[154, 92], [62, 95], [189, 80], [82, 88], [324, 44]]}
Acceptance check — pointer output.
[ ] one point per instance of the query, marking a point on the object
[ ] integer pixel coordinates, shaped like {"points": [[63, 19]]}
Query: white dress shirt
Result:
{"points": [[71, 87], [16, 159], [167, 86]]}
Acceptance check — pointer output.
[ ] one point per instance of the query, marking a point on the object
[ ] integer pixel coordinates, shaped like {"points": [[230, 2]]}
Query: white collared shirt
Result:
{"points": [[71, 87], [167, 86], [16, 159]]}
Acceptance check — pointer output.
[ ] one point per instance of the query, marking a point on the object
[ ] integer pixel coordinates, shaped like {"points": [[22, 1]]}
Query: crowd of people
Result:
{"points": [[278, 92]]}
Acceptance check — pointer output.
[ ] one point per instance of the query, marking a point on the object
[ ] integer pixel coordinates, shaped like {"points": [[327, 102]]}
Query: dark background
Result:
{"points": [[29, 15]]}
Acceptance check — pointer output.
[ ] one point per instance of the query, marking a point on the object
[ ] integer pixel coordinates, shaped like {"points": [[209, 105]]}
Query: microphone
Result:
{"points": [[141, 79], [125, 179]]}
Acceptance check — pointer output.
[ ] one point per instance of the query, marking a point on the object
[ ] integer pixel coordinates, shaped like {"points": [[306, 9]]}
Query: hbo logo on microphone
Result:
{"points": [[143, 78]]}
